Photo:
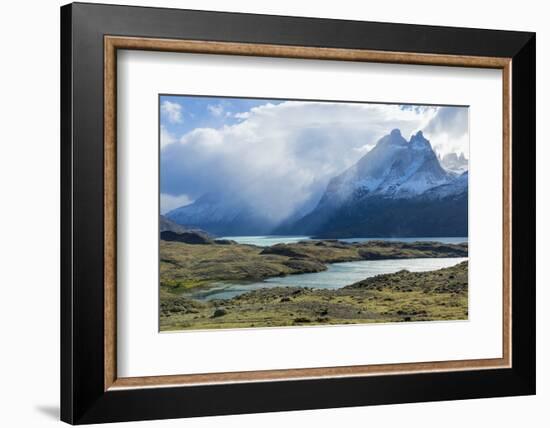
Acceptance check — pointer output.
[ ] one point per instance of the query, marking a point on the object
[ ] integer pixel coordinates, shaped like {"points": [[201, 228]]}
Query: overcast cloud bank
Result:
{"points": [[280, 156]]}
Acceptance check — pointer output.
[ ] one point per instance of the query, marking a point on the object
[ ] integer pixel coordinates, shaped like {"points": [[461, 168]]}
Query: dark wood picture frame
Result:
{"points": [[90, 37]]}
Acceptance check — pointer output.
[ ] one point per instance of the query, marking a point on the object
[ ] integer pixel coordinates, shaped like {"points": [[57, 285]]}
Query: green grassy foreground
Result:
{"points": [[402, 296]]}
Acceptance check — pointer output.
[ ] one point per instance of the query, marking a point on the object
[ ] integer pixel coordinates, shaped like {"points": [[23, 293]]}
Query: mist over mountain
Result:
{"points": [[455, 163], [399, 188], [222, 215]]}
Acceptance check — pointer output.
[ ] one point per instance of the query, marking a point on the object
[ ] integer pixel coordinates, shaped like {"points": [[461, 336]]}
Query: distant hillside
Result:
{"points": [[167, 225], [221, 215], [171, 231]]}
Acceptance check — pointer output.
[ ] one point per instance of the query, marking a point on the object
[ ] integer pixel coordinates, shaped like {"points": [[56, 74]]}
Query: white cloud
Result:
{"points": [[448, 131], [279, 158], [169, 202], [242, 115], [215, 110], [166, 137], [172, 111]]}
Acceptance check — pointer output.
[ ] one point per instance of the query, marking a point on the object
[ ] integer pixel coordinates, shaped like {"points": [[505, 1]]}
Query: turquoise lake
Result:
{"points": [[336, 276]]}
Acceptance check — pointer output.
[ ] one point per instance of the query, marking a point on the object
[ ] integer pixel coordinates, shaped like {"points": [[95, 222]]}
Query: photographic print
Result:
{"points": [[280, 213]]}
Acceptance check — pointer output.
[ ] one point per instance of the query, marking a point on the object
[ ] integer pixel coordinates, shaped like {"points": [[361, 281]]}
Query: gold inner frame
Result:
{"points": [[113, 43]]}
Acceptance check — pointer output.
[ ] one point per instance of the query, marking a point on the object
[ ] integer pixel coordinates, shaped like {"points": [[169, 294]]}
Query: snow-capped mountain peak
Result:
{"points": [[399, 187], [393, 168], [418, 142]]}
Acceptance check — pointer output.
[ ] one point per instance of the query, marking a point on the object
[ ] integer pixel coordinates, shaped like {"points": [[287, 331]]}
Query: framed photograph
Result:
{"points": [[266, 213]]}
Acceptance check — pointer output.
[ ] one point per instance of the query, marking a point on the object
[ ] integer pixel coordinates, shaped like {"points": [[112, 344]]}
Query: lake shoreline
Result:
{"points": [[224, 290], [188, 266], [398, 297]]}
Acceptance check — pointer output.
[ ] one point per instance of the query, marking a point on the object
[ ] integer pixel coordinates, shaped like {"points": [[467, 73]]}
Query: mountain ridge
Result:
{"points": [[398, 188]]}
